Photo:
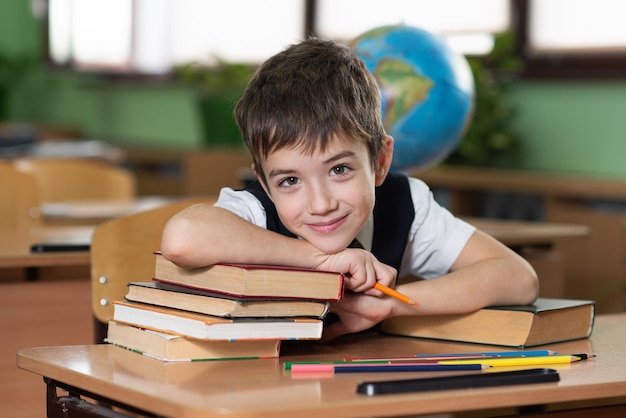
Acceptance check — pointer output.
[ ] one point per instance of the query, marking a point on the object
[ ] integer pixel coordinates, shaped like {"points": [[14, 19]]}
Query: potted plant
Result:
{"points": [[218, 88], [12, 68], [489, 138]]}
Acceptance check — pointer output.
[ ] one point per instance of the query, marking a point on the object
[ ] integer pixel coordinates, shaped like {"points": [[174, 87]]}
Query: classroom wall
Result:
{"points": [[571, 127]]}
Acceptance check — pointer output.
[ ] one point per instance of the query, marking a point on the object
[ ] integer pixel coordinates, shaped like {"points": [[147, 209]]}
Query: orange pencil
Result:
{"points": [[390, 292]]}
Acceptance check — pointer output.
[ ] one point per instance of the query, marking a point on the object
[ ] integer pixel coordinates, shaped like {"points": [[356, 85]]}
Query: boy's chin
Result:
{"points": [[329, 247]]}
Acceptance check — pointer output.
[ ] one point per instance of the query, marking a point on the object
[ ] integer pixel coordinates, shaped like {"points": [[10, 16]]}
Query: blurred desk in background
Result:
{"points": [[91, 212], [536, 242], [188, 172], [18, 263], [517, 234]]}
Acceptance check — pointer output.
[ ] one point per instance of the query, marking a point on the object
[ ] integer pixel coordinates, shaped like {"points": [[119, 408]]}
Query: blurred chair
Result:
{"points": [[19, 209], [122, 250], [70, 179]]}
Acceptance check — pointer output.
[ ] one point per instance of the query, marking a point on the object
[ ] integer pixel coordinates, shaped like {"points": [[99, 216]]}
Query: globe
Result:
{"points": [[427, 92]]}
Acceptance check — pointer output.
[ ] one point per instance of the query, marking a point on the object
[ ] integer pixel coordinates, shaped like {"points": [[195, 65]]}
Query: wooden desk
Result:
{"points": [[89, 212], [26, 264], [253, 388], [521, 233], [536, 242]]}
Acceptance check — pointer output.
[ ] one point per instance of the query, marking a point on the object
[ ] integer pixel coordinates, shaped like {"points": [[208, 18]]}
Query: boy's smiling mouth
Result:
{"points": [[328, 226]]}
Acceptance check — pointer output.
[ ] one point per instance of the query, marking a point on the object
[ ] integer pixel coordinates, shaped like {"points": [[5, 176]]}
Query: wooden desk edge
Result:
{"points": [[70, 258], [461, 400], [520, 232], [568, 390]]}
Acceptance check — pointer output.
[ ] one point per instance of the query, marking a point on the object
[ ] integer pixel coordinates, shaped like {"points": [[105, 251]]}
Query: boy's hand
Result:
{"points": [[362, 270], [357, 312]]}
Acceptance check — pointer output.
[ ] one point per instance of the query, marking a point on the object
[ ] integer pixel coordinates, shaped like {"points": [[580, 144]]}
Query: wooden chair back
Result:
{"points": [[68, 179], [19, 209], [122, 251]]}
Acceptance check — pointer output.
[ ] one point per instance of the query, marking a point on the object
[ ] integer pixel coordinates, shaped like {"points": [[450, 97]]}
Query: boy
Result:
{"points": [[310, 117]]}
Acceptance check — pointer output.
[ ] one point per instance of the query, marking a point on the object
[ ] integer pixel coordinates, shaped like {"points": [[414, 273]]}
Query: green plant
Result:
{"points": [[218, 88], [489, 138], [12, 69], [222, 78]]}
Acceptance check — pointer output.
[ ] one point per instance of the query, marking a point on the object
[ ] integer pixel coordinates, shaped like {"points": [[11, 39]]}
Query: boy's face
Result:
{"points": [[326, 197]]}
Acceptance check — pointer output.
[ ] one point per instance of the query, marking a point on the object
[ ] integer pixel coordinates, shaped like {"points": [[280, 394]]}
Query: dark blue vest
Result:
{"points": [[393, 216]]}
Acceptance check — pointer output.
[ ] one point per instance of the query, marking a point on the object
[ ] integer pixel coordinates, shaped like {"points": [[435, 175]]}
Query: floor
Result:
{"points": [[43, 313]]}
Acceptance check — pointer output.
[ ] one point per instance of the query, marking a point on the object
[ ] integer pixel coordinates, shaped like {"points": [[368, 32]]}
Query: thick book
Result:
{"points": [[208, 327], [216, 304], [251, 280], [546, 321], [170, 347]]}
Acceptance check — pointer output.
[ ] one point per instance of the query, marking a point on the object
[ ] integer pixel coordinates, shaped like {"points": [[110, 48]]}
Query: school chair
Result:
{"points": [[122, 251], [71, 179], [19, 209]]}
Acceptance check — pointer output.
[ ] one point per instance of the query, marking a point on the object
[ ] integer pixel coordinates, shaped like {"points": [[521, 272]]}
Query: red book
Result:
{"points": [[253, 280]]}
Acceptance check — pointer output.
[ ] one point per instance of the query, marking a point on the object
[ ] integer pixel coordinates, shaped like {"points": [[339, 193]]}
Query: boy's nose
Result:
{"points": [[321, 201]]}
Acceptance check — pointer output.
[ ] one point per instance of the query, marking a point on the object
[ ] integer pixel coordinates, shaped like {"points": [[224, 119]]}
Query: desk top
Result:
{"points": [[252, 388], [513, 233], [93, 212], [15, 253], [524, 181]]}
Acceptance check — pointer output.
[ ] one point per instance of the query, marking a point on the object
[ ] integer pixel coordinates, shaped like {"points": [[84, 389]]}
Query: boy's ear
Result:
{"points": [[261, 179], [385, 156]]}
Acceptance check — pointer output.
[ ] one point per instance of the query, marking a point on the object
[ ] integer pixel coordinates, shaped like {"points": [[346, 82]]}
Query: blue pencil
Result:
{"points": [[371, 368], [529, 353], [445, 356]]}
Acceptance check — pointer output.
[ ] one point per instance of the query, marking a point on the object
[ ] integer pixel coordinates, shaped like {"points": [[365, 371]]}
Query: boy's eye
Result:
{"points": [[289, 181], [339, 170]]}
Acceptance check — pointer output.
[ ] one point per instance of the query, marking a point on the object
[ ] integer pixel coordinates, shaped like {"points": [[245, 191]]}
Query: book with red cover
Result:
{"points": [[253, 280]]}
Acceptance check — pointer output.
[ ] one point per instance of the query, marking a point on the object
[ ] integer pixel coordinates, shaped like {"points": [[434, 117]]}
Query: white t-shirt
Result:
{"points": [[435, 239]]}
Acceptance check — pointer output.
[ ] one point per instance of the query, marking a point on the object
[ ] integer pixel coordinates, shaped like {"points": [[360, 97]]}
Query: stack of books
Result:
{"points": [[224, 311]]}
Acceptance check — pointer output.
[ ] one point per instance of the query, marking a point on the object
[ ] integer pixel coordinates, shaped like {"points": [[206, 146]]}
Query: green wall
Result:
{"points": [[571, 127], [576, 127]]}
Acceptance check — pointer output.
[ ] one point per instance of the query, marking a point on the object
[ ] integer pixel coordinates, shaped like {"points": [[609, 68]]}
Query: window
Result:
{"points": [[556, 38], [572, 38], [467, 26], [151, 36], [566, 27]]}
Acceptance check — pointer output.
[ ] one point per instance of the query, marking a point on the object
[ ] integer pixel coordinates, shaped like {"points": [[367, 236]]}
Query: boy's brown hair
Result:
{"points": [[305, 96]]}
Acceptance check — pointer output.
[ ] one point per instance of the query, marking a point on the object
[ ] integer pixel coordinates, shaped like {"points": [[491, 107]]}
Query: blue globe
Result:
{"points": [[427, 92]]}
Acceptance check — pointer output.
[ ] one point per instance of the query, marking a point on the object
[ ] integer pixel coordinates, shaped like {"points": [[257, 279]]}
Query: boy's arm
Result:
{"points": [[485, 273], [202, 235]]}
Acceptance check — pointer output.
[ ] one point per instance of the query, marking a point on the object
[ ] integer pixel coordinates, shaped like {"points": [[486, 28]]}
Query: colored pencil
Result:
{"points": [[395, 294], [527, 353], [459, 356], [289, 364], [517, 361], [410, 361], [371, 368]]}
